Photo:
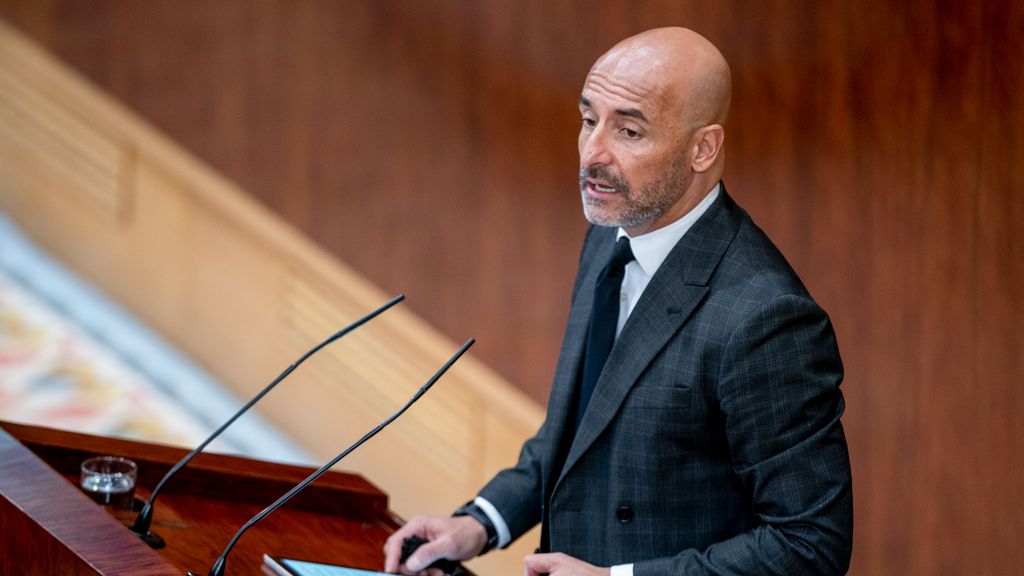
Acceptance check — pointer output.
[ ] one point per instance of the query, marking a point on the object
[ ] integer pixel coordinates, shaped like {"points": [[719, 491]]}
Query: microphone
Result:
{"points": [[145, 517], [218, 566]]}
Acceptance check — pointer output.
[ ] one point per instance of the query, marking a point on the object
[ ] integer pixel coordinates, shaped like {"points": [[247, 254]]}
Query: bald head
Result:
{"points": [[676, 64]]}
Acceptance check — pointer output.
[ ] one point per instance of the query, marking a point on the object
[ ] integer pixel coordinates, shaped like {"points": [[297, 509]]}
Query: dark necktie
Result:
{"points": [[603, 320]]}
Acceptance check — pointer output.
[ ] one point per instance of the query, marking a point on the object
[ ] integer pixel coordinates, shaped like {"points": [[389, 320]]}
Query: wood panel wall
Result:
{"points": [[431, 146]]}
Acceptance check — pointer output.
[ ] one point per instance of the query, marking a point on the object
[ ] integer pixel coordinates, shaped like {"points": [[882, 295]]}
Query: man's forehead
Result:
{"points": [[626, 111], [642, 95], [636, 73], [637, 66], [633, 57]]}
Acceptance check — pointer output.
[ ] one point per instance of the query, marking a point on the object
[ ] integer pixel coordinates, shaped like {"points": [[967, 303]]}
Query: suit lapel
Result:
{"points": [[599, 245], [674, 292], [569, 362]]}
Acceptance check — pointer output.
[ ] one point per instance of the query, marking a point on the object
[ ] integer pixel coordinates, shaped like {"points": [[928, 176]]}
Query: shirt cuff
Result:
{"points": [[622, 570], [504, 538]]}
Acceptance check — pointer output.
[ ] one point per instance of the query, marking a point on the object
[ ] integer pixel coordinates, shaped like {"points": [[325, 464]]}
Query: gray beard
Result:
{"points": [[645, 207], [631, 216]]}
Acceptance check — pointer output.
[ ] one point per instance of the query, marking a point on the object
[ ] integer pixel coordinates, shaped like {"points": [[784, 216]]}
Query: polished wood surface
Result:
{"points": [[340, 519], [431, 145], [48, 527]]}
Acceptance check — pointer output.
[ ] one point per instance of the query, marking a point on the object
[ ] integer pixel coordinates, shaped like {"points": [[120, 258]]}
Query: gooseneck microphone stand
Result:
{"points": [[219, 564], [145, 518]]}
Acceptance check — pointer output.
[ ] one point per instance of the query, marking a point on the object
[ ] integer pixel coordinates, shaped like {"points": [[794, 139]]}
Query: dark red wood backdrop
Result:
{"points": [[431, 145]]}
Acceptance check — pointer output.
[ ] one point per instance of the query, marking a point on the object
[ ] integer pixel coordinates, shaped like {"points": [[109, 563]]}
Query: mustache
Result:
{"points": [[603, 173]]}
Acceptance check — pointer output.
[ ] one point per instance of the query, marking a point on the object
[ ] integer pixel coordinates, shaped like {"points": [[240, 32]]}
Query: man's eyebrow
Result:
{"points": [[632, 113], [629, 112]]}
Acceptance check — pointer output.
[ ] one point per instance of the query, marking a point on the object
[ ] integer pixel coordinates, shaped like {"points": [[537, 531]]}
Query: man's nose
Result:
{"points": [[594, 149]]}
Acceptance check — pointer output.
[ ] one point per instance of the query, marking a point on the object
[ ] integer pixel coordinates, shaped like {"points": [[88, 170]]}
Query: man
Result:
{"points": [[706, 439]]}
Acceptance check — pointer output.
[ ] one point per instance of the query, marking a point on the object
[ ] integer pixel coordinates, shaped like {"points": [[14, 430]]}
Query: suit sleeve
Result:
{"points": [[778, 389], [516, 492]]}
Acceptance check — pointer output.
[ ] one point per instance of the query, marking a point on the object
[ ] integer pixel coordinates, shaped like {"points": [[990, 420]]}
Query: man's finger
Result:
{"points": [[393, 552], [393, 545], [539, 564]]}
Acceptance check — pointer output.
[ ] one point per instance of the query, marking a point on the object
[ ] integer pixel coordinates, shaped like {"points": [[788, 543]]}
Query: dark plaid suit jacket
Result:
{"points": [[712, 444]]}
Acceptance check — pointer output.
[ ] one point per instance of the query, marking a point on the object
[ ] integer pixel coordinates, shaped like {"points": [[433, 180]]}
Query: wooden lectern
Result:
{"points": [[48, 526]]}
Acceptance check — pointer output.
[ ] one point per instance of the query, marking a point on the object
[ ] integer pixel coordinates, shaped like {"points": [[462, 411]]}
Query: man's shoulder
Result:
{"points": [[752, 268]]}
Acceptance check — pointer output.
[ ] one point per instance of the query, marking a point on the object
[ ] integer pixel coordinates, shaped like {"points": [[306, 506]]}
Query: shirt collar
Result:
{"points": [[651, 249]]}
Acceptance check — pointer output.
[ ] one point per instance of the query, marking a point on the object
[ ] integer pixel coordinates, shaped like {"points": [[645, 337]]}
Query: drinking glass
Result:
{"points": [[110, 481]]}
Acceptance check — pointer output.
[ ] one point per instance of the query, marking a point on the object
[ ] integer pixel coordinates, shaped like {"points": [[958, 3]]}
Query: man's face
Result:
{"points": [[634, 161]]}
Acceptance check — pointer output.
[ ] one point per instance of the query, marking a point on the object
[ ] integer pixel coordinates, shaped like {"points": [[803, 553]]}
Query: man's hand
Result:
{"points": [[559, 564], [458, 538]]}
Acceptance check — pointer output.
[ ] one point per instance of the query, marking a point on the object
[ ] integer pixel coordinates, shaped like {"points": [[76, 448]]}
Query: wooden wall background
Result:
{"points": [[431, 145]]}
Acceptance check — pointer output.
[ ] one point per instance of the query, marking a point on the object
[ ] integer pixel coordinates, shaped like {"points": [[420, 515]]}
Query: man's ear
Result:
{"points": [[708, 145]]}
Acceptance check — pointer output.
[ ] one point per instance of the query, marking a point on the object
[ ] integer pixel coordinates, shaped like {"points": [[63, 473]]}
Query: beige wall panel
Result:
{"points": [[232, 285], [157, 255]]}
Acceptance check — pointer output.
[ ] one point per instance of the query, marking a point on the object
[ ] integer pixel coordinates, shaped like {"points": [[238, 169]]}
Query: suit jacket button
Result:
{"points": [[624, 514]]}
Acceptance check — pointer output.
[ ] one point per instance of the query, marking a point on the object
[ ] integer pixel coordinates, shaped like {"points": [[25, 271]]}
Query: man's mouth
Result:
{"points": [[600, 187]]}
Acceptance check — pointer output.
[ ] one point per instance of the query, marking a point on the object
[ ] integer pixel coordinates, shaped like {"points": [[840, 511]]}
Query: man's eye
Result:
{"points": [[589, 122], [630, 133]]}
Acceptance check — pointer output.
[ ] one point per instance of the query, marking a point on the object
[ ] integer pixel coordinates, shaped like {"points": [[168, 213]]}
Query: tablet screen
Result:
{"points": [[289, 567]]}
